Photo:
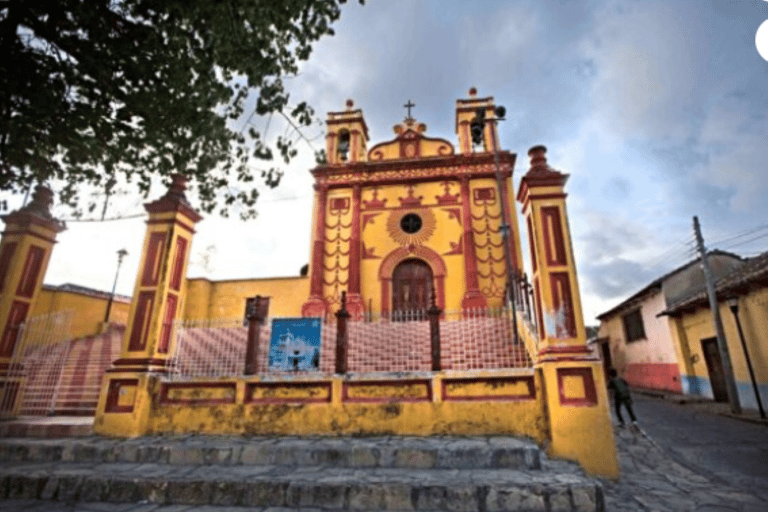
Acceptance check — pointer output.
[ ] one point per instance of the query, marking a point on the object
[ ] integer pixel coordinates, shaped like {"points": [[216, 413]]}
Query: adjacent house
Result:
{"points": [[742, 297], [636, 338]]}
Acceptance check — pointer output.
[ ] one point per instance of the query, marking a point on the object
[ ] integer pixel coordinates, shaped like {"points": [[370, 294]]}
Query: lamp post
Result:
{"points": [[733, 303], [511, 288], [120, 255]]}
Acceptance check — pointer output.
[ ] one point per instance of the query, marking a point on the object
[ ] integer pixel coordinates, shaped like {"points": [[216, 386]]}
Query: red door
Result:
{"points": [[411, 287]]}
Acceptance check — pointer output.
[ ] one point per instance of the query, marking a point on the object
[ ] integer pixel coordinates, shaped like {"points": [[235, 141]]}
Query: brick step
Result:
{"points": [[326, 488], [373, 452]]}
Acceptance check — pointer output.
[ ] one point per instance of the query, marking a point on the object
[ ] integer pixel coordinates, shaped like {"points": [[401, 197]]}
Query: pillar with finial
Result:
{"points": [[158, 297], [25, 251], [575, 392]]}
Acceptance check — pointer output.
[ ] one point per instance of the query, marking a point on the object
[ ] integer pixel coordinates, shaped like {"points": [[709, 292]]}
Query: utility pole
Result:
{"points": [[730, 383]]}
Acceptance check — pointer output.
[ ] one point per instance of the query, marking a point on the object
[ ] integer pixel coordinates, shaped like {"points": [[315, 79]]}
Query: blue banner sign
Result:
{"points": [[295, 344]]}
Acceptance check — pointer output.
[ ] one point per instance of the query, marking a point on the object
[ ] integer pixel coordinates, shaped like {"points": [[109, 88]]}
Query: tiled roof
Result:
{"points": [[754, 271], [657, 283], [84, 290]]}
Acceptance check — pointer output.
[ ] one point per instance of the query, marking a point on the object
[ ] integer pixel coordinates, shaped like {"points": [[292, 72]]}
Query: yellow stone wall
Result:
{"points": [[226, 299], [87, 310], [689, 329]]}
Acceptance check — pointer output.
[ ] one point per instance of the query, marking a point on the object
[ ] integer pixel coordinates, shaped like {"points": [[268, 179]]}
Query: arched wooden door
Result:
{"points": [[411, 286]]}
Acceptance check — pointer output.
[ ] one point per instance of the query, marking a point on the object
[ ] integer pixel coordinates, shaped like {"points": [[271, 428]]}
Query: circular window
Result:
{"points": [[410, 223]]}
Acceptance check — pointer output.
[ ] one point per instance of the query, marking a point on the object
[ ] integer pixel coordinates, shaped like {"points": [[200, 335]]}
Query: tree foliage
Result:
{"points": [[95, 91]]}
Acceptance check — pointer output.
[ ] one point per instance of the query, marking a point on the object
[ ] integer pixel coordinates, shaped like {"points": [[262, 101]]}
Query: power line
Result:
{"points": [[747, 241], [740, 235]]}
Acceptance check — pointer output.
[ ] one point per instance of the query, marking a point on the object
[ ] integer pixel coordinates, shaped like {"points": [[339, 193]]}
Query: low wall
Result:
{"points": [[461, 403]]}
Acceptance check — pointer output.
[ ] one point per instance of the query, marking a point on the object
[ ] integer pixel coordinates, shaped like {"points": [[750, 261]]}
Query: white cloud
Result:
{"points": [[647, 69]]}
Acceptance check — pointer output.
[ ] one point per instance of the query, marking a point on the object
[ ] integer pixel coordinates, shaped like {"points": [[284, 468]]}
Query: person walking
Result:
{"points": [[621, 396]]}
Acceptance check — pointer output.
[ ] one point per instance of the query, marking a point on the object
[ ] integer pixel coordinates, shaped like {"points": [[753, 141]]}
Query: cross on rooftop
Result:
{"points": [[408, 106]]}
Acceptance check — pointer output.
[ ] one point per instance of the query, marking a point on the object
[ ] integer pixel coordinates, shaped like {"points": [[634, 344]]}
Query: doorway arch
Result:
{"points": [[411, 286], [424, 254]]}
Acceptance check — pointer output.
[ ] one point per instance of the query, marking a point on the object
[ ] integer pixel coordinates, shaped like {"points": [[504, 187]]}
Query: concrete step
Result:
{"points": [[487, 474], [384, 452], [312, 486]]}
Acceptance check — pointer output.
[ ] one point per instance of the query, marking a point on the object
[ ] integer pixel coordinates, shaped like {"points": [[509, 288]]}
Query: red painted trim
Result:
{"points": [[29, 233], [483, 194], [354, 244], [532, 243], [661, 376], [31, 272], [152, 263], [251, 386], [554, 243], [165, 388], [316, 283], [16, 316], [178, 263], [508, 221], [494, 381], [375, 203], [451, 166], [5, 261], [113, 395], [566, 349], [590, 394], [447, 198], [470, 258], [167, 205], [539, 312], [170, 316], [346, 386], [560, 284], [172, 221], [141, 321], [138, 361]]}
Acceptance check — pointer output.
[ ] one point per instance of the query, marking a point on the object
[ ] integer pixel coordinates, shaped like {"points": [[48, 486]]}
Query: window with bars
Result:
{"points": [[633, 326]]}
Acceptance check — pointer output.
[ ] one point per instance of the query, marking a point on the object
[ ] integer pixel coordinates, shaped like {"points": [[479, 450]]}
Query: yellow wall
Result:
{"points": [[226, 299], [698, 325], [87, 310]]}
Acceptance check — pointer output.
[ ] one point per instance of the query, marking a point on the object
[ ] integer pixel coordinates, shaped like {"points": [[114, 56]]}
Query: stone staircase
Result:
{"points": [[485, 474]]}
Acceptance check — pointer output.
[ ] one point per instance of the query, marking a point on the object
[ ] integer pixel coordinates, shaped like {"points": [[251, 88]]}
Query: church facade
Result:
{"points": [[403, 229]]}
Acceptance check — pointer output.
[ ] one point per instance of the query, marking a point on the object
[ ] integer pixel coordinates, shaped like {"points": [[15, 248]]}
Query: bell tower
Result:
{"points": [[347, 136], [475, 134]]}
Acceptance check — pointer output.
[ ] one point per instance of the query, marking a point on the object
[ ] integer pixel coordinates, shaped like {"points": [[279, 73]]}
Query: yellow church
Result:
{"points": [[416, 316]]}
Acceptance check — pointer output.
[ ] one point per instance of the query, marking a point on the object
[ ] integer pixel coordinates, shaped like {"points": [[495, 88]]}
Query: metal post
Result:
{"points": [[434, 313], [120, 255], [730, 383], [733, 303], [342, 336]]}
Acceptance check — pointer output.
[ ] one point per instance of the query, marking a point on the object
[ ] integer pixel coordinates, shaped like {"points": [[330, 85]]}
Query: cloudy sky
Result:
{"points": [[656, 109]]}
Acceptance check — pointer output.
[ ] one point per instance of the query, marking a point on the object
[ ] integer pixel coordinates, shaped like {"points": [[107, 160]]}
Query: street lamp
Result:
{"points": [[120, 255], [733, 303]]}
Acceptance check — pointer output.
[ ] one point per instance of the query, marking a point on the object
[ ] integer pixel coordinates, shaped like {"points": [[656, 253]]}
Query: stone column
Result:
{"points": [[159, 292], [25, 251], [473, 298], [355, 303], [575, 388], [316, 305]]}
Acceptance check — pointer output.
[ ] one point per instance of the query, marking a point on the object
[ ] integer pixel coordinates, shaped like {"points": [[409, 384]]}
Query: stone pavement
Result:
{"points": [[688, 457], [494, 474], [683, 458]]}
